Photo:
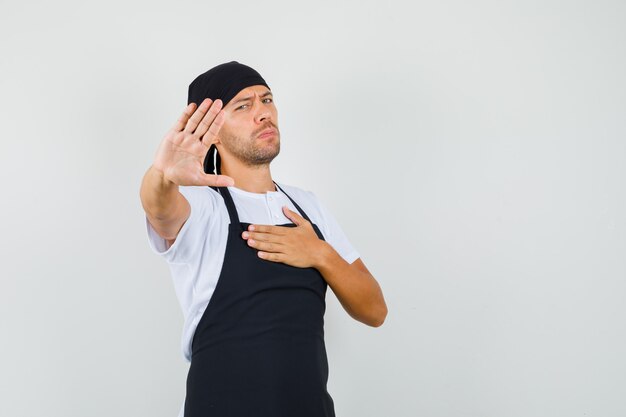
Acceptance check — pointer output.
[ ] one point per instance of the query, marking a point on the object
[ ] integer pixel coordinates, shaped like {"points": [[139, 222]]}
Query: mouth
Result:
{"points": [[267, 133]]}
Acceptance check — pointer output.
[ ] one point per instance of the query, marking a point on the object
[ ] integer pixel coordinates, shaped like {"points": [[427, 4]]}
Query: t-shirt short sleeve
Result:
{"points": [[335, 235], [194, 231]]}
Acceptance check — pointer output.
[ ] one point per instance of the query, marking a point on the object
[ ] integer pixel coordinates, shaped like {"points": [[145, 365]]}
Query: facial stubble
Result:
{"points": [[251, 151]]}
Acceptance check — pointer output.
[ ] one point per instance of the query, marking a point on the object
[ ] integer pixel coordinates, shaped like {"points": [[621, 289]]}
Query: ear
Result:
{"points": [[215, 140]]}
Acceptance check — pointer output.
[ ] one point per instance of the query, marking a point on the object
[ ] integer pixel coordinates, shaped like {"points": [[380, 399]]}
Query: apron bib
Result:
{"points": [[258, 350]]}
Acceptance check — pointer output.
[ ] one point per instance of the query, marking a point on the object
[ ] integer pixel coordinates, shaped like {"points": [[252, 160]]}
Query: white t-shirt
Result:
{"points": [[195, 259]]}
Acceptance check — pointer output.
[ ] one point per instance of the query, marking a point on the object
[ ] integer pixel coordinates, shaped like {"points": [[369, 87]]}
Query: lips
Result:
{"points": [[267, 133]]}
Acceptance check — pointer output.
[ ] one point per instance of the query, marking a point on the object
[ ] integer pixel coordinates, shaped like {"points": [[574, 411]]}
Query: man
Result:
{"points": [[250, 258]]}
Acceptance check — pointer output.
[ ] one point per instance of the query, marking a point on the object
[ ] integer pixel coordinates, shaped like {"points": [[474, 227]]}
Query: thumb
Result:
{"points": [[223, 180], [293, 216], [215, 180]]}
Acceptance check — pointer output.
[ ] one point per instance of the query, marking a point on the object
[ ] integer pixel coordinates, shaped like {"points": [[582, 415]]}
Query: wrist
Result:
{"points": [[160, 174], [325, 253]]}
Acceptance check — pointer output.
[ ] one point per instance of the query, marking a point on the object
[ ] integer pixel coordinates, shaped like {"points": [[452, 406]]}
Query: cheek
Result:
{"points": [[235, 120], [230, 125]]}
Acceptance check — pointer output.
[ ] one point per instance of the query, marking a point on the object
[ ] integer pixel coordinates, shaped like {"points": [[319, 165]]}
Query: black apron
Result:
{"points": [[258, 350]]}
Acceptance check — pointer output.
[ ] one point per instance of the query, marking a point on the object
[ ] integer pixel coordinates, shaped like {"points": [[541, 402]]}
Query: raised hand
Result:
{"points": [[180, 156]]}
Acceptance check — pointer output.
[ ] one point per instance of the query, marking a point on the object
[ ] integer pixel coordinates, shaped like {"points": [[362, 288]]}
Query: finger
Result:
{"points": [[265, 246], [182, 120], [208, 118], [264, 228], [214, 128], [274, 257], [262, 237], [197, 116]]}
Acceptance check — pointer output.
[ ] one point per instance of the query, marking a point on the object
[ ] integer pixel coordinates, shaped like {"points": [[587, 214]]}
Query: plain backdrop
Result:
{"points": [[473, 152]]}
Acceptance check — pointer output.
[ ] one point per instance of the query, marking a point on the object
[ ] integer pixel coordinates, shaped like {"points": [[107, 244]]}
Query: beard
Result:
{"points": [[252, 151]]}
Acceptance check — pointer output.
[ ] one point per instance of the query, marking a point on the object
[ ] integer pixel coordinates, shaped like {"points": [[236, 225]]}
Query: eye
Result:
{"points": [[269, 100]]}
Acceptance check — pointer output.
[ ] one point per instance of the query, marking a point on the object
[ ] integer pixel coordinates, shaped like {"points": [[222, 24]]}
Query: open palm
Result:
{"points": [[181, 154]]}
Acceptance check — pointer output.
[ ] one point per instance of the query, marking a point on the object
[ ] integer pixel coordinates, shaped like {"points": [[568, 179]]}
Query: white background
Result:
{"points": [[473, 152]]}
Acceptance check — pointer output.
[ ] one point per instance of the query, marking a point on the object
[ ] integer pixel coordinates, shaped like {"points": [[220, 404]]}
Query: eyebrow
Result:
{"points": [[267, 93]]}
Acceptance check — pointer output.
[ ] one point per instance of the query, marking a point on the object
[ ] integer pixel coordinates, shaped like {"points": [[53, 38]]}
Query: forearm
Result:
{"points": [[357, 290], [160, 197]]}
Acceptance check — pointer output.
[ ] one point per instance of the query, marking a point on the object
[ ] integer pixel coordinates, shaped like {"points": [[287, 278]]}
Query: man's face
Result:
{"points": [[250, 113]]}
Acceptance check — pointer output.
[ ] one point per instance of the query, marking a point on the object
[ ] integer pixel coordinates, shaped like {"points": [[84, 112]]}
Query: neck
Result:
{"points": [[255, 179]]}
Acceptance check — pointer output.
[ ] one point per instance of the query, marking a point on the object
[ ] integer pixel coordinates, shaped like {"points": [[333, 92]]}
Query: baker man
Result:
{"points": [[250, 257]]}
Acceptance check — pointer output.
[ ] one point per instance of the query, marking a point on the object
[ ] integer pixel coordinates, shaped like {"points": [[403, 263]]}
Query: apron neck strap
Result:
{"points": [[302, 213], [230, 205], [232, 210]]}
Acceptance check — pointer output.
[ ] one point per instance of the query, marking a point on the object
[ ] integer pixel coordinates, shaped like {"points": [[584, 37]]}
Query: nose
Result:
{"points": [[263, 114]]}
